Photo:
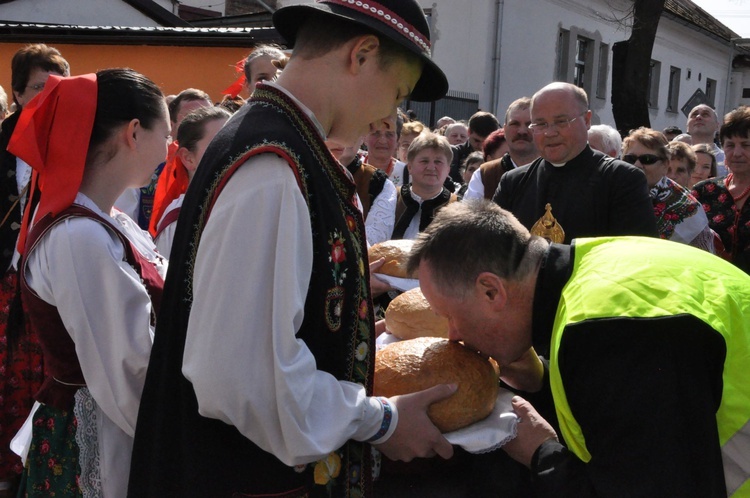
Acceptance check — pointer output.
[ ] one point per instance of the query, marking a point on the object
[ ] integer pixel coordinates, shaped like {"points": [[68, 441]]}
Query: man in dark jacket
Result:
{"points": [[481, 124], [647, 342], [588, 193]]}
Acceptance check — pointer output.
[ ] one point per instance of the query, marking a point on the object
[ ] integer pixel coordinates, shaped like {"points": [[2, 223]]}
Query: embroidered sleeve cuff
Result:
{"points": [[388, 424]]}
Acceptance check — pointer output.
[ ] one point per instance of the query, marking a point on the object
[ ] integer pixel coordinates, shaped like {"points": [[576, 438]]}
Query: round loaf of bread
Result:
{"points": [[409, 316], [409, 366], [395, 253]]}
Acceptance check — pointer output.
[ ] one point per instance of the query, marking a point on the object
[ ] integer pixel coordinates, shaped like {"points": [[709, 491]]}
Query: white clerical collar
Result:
{"points": [[302, 106]]}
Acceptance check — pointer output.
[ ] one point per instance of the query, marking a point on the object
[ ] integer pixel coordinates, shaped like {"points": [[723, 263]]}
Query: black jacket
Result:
{"points": [[645, 391], [460, 153], [592, 195]]}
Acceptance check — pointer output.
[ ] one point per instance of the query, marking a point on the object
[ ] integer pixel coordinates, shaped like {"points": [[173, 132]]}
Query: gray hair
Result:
{"points": [[487, 238], [522, 103], [609, 136], [457, 124]]}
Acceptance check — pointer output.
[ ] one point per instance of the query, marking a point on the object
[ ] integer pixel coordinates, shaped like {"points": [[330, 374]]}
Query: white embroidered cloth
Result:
{"points": [[491, 433]]}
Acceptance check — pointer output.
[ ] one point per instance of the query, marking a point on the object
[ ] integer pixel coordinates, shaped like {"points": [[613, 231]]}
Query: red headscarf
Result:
{"points": [[235, 88], [173, 182], [52, 136]]}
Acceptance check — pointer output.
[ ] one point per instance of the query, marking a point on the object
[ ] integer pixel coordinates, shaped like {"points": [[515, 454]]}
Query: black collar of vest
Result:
{"points": [[554, 273]]}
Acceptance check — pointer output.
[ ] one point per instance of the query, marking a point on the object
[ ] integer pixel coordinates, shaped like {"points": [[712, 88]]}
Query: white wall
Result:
{"points": [[77, 12], [679, 46], [464, 39], [740, 81], [462, 35], [530, 44]]}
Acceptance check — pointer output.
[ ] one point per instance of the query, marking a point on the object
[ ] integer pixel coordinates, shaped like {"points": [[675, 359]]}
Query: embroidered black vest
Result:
{"points": [[179, 453], [369, 182], [62, 368], [407, 207]]}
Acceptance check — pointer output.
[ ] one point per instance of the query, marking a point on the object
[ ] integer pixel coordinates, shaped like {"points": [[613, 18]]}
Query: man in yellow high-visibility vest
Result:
{"points": [[643, 343]]}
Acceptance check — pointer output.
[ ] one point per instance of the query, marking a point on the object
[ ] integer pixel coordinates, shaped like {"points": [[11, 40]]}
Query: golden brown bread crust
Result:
{"points": [[409, 316], [396, 253], [409, 366]]}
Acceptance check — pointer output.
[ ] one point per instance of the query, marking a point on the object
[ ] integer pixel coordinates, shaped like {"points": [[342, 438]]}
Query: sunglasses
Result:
{"points": [[645, 159]]}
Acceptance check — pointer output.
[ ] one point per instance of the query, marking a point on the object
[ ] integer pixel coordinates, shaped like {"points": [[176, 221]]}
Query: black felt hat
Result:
{"points": [[401, 21]]}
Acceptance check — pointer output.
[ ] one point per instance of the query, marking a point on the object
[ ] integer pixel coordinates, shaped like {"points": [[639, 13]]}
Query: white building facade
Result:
{"points": [[494, 51], [81, 12], [500, 50]]}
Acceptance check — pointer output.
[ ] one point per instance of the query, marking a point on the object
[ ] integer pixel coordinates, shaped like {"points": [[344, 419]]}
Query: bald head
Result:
{"points": [[560, 120], [574, 92], [702, 124]]}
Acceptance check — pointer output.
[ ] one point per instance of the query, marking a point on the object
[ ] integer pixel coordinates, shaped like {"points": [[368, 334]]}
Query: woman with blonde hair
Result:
{"points": [[705, 163]]}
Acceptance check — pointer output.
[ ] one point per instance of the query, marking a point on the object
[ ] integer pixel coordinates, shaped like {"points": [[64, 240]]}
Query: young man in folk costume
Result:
{"points": [[261, 376]]}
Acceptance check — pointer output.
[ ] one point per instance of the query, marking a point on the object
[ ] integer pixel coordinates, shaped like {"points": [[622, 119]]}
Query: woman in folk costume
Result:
{"points": [[193, 136], [679, 215], [91, 279], [21, 367]]}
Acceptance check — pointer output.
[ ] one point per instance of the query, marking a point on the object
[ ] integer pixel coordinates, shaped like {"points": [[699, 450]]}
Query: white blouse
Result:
{"points": [[163, 241], [247, 367], [79, 267]]}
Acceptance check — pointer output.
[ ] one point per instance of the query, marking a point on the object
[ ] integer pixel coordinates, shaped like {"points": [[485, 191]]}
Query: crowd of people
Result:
{"points": [[187, 307]]}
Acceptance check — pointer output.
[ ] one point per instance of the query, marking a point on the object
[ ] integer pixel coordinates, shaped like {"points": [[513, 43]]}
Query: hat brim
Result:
{"points": [[432, 84]]}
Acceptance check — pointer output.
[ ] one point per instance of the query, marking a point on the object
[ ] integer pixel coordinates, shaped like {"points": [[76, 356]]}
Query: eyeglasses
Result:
{"points": [[645, 159], [38, 87], [558, 124]]}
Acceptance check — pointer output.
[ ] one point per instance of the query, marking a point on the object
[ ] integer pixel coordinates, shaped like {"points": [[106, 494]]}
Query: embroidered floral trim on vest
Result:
{"points": [[342, 267]]}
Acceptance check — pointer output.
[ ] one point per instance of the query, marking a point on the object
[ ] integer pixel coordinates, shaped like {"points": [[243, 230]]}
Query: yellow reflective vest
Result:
{"points": [[609, 281]]}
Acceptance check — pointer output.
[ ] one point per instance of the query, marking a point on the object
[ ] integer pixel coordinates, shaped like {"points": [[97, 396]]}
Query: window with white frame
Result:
{"points": [[652, 94], [583, 47], [582, 59], [673, 97], [711, 91]]}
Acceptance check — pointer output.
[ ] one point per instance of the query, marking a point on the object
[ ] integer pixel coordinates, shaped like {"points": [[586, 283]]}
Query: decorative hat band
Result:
{"points": [[388, 17]]}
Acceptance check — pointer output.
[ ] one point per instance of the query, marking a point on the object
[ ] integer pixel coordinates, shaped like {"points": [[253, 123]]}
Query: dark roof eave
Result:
{"points": [[686, 12], [685, 22], [23, 33], [244, 20]]}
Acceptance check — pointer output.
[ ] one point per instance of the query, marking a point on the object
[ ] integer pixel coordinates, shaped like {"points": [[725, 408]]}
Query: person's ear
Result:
{"points": [[17, 97], [132, 133], [187, 158], [491, 289], [363, 49]]}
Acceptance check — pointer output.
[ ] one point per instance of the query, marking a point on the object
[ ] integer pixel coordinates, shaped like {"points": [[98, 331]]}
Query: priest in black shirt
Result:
{"points": [[571, 190]]}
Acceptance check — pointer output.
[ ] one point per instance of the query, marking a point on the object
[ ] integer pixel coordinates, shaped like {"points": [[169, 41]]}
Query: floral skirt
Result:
{"points": [[21, 376], [52, 467]]}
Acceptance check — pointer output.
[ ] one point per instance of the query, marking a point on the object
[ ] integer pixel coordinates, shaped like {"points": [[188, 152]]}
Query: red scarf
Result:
{"points": [[173, 182], [52, 136]]}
